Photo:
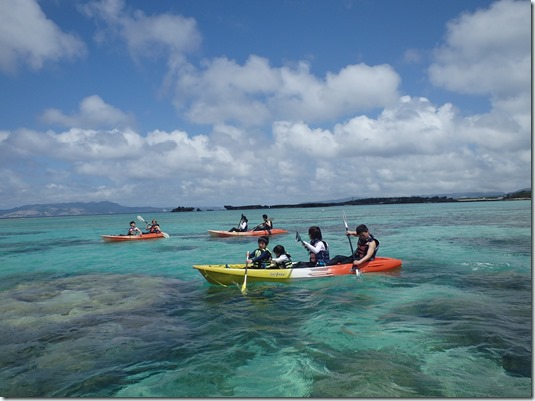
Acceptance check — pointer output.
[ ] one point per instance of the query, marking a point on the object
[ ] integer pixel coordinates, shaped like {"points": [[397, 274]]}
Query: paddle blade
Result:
{"points": [[142, 219], [298, 237], [345, 220], [165, 235], [244, 285]]}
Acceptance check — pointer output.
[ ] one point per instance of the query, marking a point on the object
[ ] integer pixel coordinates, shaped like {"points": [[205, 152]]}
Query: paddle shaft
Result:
{"points": [[348, 236], [147, 223]]}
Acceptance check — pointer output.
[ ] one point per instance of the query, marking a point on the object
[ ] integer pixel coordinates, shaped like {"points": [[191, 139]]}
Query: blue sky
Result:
{"points": [[206, 103]]}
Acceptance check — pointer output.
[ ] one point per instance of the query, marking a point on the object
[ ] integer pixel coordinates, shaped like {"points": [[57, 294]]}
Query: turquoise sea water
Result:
{"points": [[85, 318]]}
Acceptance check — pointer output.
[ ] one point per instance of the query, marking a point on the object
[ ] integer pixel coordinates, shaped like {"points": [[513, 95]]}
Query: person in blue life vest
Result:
{"points": [[242, 227], [153, 227], [260, 258], [282, 259], [317, 248], [267, 224], [367, 247], [133, 230]]}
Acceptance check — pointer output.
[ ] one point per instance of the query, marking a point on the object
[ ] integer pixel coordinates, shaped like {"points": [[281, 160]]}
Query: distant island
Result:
{"points": [[105, 207], [184, 209], [518, 195]]}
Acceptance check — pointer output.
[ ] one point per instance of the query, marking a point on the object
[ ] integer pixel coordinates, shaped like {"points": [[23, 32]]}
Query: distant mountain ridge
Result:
{"points": [[75, 209]]}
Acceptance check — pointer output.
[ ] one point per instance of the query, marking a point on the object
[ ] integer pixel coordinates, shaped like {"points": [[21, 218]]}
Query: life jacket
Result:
{"points": [[264, 263], [322, 257], [286, 264], [364, 245], [154, 229], [265, 226]]}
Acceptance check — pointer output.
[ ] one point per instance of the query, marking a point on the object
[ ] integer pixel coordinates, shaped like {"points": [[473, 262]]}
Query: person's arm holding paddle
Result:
{"points": [[367, 245]]}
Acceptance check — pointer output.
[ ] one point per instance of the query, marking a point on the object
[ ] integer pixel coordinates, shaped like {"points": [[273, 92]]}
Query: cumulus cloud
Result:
{"points": [[167, 35], [255, 93], [250, 94], [322, 142], [487, 52], [28, 37], [93, 113], [412, 147]]}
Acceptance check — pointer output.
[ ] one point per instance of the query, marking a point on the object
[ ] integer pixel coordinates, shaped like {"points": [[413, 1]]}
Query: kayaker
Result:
{"points": [[367, 247], [318, 249], [133, 230], [153, 227], [267, 224], [260, 258], [283, 260], [242, 227]]}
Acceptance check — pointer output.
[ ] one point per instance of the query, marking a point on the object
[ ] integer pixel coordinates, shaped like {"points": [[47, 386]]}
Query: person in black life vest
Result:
{"points": [[267, 224], [367, 247], [260, 258]]}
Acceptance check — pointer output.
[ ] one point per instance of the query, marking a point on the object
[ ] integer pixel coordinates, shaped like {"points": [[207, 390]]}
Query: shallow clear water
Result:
{"points": [[85, 318]]}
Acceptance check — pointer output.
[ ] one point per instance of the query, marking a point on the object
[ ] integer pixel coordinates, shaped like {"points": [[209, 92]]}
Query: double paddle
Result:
{"points": [[147, 223]]}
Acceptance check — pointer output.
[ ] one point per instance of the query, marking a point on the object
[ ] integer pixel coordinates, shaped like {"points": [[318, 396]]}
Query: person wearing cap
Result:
{"points": [[267, 224], [260, 258], [367, 247]]}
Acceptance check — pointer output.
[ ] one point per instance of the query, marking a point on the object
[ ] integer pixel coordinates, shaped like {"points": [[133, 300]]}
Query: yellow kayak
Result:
{"points": [[229, 274]]}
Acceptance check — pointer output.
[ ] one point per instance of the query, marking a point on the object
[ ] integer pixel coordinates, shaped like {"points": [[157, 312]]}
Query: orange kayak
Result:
{"points": [[115, 238], [273, 231]]}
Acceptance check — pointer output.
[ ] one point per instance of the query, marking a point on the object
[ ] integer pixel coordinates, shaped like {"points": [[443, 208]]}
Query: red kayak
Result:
{"points": [[115, 238], [273, 231]]}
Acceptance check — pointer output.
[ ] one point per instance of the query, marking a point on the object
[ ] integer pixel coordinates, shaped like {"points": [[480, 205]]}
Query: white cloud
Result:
{"points": [[256, 93], [487, 52], [28, 37], [413, 147], [168, 35], [322, 144], [253, 94], [93, 113]]}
